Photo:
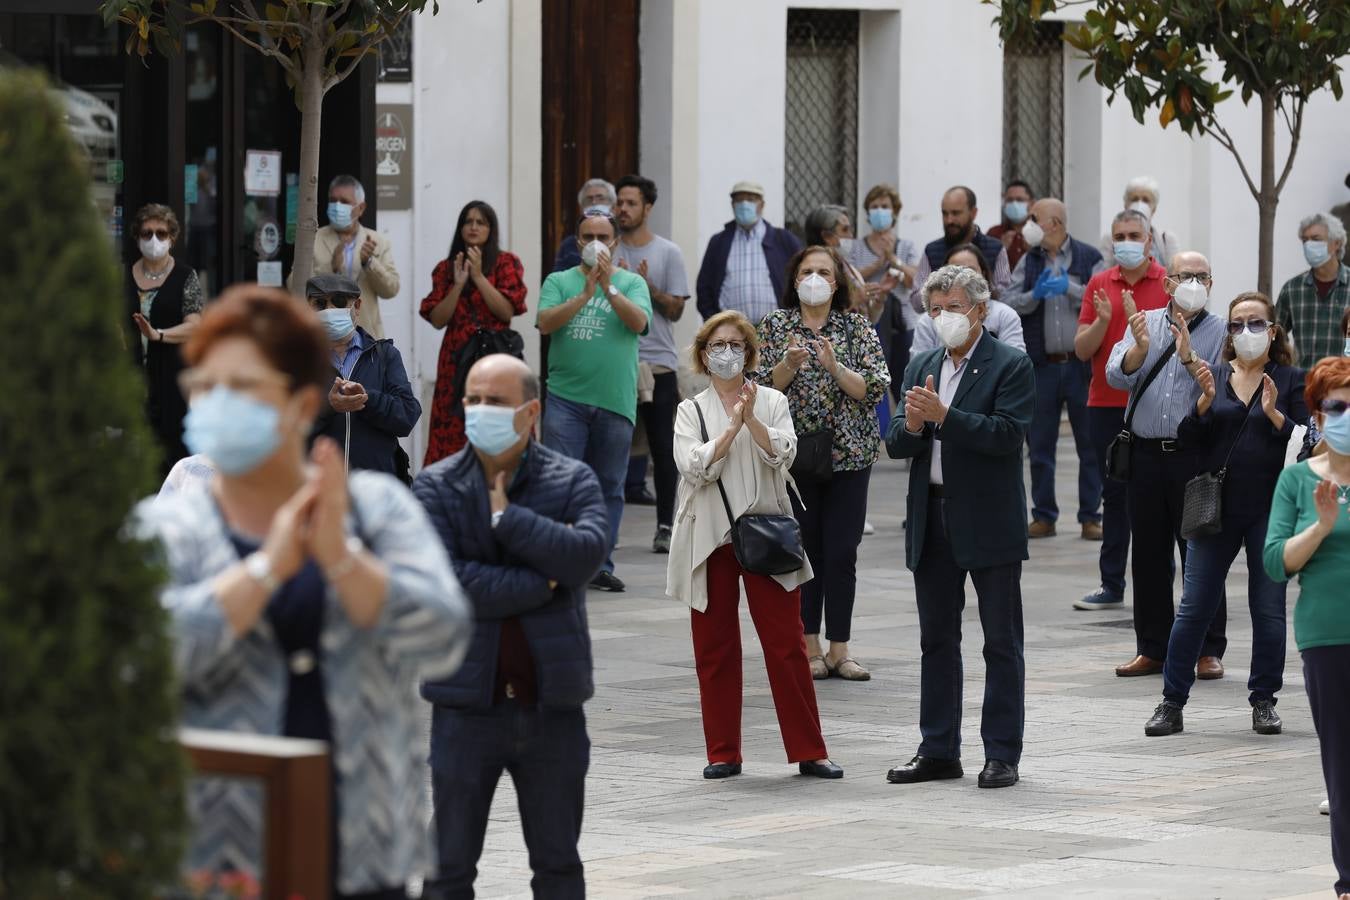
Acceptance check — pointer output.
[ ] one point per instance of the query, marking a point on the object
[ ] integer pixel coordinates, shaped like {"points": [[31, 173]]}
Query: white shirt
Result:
{"points": [[949, 379]]}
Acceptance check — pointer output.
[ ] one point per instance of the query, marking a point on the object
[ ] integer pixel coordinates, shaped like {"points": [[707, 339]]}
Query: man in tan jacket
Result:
{"points": [[346, 247]]}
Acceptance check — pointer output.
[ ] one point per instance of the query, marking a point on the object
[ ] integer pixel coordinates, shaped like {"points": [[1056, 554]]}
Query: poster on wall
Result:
{"points": [[393, 155], [396, 53], [262, 173]]}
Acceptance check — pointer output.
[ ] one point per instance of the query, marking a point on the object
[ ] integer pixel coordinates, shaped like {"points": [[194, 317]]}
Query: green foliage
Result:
{"points": [[91, 774], [1184, 57]]}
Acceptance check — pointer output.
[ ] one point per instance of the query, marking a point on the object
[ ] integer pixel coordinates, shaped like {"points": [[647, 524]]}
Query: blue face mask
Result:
{"points": [[232, 429], [1347, 347], [491, 429], [339, 214], [337, 323], [746, 213], [1015, 211], [1316, 252], [880, 218], [1129, 253], [1336, 432]]}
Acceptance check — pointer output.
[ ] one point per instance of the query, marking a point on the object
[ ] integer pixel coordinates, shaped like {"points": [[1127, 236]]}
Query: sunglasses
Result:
{"points": [[1335, 407], [148, 233], [1255, 326], [338, 301]]}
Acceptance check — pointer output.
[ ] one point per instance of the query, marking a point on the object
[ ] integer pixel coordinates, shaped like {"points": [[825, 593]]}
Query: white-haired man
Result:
{"points": [[1142, 194], [1311, 303], [597, 194]]}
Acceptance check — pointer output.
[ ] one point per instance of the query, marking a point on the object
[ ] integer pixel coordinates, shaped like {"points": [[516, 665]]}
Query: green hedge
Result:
{"points": [[91, 774]]}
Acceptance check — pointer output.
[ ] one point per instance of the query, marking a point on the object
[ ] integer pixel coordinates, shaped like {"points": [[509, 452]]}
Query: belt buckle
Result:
{"points": [[510, 691], [1167, 445]]}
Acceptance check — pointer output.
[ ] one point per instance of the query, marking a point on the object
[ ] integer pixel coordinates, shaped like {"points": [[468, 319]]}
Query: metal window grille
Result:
{"points": [[821, 122], [1033, 111]]}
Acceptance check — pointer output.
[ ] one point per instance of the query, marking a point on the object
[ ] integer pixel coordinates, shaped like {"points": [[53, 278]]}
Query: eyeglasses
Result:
{"points": [[723, 346], [1184, 277], [1255, 326], [322, 301], [193, 382], [1335, 407], [148, 233], [937, 309]]}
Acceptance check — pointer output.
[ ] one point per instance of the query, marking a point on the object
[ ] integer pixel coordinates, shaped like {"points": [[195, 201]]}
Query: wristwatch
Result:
{"points": [[497, 517], [613, 291], [259, 568], [1187, 362]]}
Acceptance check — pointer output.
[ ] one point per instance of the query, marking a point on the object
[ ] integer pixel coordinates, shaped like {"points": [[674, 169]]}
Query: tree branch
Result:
{"points": [[1226, 141], [1295, 132], [340, 74], [271, 51]]}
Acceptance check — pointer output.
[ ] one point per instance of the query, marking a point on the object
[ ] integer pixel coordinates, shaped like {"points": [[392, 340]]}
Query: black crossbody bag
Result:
{"points": [[764, 544], [1202, 504], [815, 449]]}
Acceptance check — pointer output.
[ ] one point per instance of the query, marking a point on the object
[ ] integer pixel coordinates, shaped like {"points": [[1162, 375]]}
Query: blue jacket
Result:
{"points": [[779, 246], [555, 528], [982, 442], [389, 414]]}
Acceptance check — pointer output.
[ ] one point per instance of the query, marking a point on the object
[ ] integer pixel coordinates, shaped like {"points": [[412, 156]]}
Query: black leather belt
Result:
{"points": [[1057, 357], [935, 491], [1163, 445]]}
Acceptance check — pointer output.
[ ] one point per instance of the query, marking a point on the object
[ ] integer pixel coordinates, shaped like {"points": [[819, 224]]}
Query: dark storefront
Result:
{"points": [[184, 130]]}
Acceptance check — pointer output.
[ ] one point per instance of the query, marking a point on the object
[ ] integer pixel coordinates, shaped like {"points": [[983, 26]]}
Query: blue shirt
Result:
{"points": [[345, 363], [1172, 395], [747, 287]]}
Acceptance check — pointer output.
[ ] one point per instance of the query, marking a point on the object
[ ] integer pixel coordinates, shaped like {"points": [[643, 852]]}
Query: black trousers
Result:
{"points": [[1326, 672], [832, 526], [1104, 423], [1156, 492], [940, 588], [658, 418]]}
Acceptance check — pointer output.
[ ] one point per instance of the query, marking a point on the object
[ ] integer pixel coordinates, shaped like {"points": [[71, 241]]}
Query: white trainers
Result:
{"points": [[867, 527], [1324, 807]]}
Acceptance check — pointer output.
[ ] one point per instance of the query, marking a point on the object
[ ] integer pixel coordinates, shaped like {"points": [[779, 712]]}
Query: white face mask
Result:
{"points": [[154, 248], [1191, 296], [726, 365], [953, 328], [1032, 233], [590, 254], [1142, 206], [1250, 346], [814, 290]]}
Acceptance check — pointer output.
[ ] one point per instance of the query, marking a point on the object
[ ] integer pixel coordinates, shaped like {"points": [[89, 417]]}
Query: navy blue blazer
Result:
{"points": [[390, 412], [555, 528], [779, 247], [982, 442]]}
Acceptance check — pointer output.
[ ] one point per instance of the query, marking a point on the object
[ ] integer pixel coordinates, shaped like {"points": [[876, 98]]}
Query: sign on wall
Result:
{"points": [[393, 155]]}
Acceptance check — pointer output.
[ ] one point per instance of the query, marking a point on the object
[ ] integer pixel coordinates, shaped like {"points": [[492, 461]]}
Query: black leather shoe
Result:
{"points": [[1264, 718], [607, 581], [824, 769], [639, 497], [1166, 720], [996, 774], [721, 770], [925, 768]]}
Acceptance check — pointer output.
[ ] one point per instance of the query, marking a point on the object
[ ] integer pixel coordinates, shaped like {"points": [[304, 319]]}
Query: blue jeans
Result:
{"points": [[1207, 562], [547, 753], [1104, 423], [1059, 385], [599, 438]]}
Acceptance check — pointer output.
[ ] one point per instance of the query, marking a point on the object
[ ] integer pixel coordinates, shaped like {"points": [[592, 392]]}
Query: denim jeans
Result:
{"points": [[1104, 423], [547, 753], [599, 438], [1059, 385], [1207, 562]]}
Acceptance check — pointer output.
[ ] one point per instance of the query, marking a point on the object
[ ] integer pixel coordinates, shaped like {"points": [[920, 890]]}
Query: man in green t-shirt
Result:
{"points": [[594, 314]]}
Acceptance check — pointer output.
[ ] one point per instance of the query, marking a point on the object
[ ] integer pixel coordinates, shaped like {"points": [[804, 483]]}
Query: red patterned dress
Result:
{"points": [[472, 313]]}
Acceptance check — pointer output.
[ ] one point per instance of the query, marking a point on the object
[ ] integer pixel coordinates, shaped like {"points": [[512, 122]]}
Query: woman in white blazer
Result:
{"points": [[749, 445]]}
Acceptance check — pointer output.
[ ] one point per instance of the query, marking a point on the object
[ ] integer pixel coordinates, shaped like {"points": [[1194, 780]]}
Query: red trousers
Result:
{"points": [[717, 655]]}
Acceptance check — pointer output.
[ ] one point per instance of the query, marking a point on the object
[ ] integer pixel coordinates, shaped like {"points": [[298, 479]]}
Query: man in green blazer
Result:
{"points": [[964, 424]]}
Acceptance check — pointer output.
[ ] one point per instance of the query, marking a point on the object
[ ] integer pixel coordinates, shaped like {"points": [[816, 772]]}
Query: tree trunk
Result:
{"points": [[1269, 198], [311, 120]]}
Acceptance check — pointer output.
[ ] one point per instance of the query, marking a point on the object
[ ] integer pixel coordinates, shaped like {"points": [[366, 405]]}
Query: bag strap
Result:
{"points": [[1158, 367], [1247, 414], [703, 430]]}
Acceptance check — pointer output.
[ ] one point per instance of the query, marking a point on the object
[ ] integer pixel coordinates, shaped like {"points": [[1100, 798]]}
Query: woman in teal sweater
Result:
{"points": [[1309, 535]]}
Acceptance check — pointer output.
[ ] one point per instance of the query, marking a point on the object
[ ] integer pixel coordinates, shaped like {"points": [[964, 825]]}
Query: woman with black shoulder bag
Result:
{"points": [[1241, 424], [734, 443], [829, 364]]}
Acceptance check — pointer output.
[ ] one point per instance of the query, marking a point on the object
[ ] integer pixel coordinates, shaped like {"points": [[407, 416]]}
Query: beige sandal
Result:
{"points": [[819, 671], [849, 670]]}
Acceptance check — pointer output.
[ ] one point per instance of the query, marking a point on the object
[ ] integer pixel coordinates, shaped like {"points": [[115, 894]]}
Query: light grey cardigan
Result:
{"points": [[370, 678]]}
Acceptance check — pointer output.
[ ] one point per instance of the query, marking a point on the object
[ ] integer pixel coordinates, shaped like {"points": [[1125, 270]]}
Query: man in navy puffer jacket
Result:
{"points": [[526, 530]]}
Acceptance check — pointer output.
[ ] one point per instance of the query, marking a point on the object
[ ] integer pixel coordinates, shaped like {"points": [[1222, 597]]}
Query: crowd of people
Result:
{"points": [[308, 590]]}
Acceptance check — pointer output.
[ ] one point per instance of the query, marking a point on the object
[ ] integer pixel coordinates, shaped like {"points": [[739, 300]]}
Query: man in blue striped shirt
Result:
{"points": [[1161, 467]]}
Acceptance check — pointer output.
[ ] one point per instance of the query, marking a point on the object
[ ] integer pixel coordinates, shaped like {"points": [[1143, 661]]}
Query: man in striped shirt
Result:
{"points": [[744, 265]]}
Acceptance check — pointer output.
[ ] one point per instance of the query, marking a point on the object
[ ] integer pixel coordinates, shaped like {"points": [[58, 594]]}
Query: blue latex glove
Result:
{"points": [[1050, 285]]}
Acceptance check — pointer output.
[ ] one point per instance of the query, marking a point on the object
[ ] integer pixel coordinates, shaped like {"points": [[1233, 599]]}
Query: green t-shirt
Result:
{"points": [[1322, 613], [593, 359]]}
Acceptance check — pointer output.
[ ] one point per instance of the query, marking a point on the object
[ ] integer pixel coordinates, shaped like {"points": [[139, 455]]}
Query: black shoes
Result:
{"points": [[1166, 720], [721, 770], [639, 497], [608, 581], [998, 774], [1264, 718], [824, 769], [925, 768], [661, 542]]}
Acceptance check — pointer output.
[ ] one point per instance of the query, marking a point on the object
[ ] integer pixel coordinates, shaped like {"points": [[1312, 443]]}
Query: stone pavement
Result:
{"points": [[1101, 811]]}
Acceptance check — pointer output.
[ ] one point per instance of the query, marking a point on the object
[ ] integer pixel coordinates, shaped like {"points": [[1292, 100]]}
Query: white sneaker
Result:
{"points": [[1324, 807], [867, 527]]}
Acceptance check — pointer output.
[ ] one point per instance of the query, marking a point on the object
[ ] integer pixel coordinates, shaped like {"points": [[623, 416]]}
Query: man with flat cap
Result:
{"points": [[744, 264]]}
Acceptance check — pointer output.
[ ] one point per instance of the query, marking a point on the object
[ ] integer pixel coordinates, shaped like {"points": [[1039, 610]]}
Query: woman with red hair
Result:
{"points": [[1309, 535]]}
